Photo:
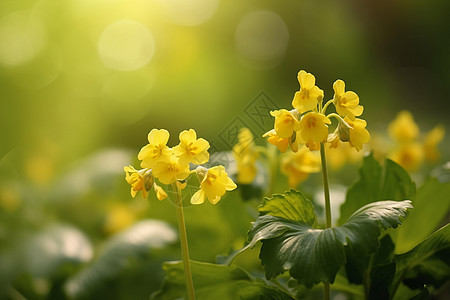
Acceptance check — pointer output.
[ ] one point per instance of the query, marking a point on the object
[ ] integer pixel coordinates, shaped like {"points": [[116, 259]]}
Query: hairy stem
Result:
{"points": [[326, 191], [184, 244]]}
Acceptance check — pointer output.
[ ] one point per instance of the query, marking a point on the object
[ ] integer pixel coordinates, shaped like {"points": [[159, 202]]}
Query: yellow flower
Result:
{"points": [[156, 150], [309, 95], [346, 103], [403, 128], [297, 166], [141, 180], [192, 149], [281, 143], [408, 155], [245, 156], [313, 130], [160, 193], [213, 186], [338, 157], [170, 170], [119, 217], [358, 134], [431, 140], [284, 123]]}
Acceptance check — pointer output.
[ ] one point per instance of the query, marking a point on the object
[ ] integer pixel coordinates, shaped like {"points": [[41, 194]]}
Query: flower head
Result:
{"points": [[281, 143], [346, 103], [170, 170], [284, 123], [141, 180], [245, 156], [297, 166], [192, 149], [214, 183], [309, 95], [403, 128], [313, 129], [156, 150], [358, 134]]}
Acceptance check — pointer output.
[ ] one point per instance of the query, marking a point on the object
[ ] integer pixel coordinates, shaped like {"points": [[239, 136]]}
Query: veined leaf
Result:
{"points": [[390, 182], [316, 255], [213, 281], [427, 263]]}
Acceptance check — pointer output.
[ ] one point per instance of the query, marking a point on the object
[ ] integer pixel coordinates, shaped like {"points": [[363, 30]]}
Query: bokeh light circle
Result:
{"points": [[262, 36], [126, 45], [21, 38], [190, 12]]}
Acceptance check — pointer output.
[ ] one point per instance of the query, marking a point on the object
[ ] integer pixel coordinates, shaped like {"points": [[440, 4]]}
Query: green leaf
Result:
{"points": [[431, 204], [213, 281], [427, 263], [292, 205], [390, 182], [316, 255], [129, 249]]}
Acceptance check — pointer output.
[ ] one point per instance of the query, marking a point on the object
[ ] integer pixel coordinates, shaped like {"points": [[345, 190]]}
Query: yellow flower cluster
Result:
{"points": [[307, 124], [409, 152], [245, 155], [171, 166]]}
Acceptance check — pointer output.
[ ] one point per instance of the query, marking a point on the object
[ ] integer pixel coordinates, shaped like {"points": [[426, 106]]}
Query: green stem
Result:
{"points": [[326, 190], [184, 244], [324, 109]]}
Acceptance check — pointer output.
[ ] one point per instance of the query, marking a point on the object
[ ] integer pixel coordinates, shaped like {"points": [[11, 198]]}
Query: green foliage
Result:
{"points": [[124, 256], [428, 263], [387, 182], [213, 281], [315, 255], [431, 205]]}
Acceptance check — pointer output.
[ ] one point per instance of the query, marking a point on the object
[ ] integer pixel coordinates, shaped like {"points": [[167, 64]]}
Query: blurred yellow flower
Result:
{"points": [[214, 184], [245, 156], [408, 155], [191, 149], [298, 165], [170, 170], [156, 150], [313, 129], [118, 217], [431, 140], [346, 103], [141, 180], [403, 128], [281, 143], [338, 157], [358, 134], [309, 95], [284, 123]]}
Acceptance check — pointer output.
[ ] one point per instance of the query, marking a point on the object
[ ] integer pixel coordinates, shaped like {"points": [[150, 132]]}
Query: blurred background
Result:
{"points": [[82, 82]]}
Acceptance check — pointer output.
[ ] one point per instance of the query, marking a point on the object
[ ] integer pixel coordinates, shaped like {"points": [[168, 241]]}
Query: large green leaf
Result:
{"points": [[427, 263], [432, 204], [316, 255], [387, 182], [213, 281]]}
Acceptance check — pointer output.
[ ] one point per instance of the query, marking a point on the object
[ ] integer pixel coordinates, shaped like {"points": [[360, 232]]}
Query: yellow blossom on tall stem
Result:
{"points": [[156, 150], [403, 128], [213, 186], [281, 143], [170, 170], [191, 149], [140, 181], [284, 123], [313, 129], [309, 95], [358, 134], [346, 103]]}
